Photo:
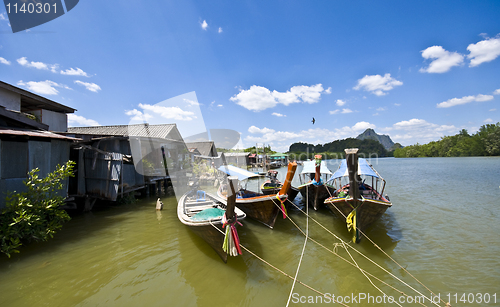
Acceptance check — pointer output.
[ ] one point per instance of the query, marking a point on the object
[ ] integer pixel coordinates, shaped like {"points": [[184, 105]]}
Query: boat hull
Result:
{"points": [[292, 192], [368, 209], [210, 231], [213, 237], [262, 208], [314, 194]]}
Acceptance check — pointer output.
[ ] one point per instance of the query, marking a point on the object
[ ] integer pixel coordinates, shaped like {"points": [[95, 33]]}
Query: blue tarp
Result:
{"points": [[364, 168], [236, 171]]}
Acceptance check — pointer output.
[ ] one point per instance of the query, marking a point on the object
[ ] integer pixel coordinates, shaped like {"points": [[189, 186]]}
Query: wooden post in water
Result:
{"points": [[231, 198], [317, 178], [292, 166], [352, 168], [159, 204]]}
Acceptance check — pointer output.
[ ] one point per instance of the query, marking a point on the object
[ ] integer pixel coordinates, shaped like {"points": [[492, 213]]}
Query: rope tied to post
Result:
{"points": [[282, 201], [231, 243]]}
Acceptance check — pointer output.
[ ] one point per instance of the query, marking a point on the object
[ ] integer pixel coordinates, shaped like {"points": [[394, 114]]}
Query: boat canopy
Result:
{"points": [[364, 168], [310, 167], [239, 172]]}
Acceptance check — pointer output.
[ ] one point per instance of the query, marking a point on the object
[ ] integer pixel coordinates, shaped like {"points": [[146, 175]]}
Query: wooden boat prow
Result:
{"points": [[258, 206], [190, 210], [360, 202]]}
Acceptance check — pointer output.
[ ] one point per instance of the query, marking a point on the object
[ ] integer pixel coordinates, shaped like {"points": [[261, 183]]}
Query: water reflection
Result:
{"points": [[128, 255]]}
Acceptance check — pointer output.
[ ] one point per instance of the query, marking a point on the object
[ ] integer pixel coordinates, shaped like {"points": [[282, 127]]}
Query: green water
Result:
{"points": [[443, 227]]}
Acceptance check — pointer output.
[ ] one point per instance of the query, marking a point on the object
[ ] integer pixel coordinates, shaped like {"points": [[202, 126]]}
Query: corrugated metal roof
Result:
{"points": [[35, 133], [205, 148], [236, 154], [33, 101], [143, 130]]}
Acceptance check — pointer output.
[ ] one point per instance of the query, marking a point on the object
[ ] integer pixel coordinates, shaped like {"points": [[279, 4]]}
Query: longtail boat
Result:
{"points": [[359, 202], [201, 211], [273, 185], [258, 206], [313, 178]]}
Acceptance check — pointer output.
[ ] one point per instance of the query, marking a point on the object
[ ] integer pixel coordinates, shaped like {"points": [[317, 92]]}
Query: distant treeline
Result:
{"points": [[486, 142], [367, 148]]}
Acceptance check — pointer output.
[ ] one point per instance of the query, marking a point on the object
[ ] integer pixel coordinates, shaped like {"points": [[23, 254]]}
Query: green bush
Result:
{"points": [[34, 214]]}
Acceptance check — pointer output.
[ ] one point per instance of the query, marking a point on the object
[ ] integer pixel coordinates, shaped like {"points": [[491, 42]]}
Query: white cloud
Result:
{"points": [[46, 87], [482, 97], [340, 102], [410, 124], [2, 16], [220, 30], [328, 90], [443, 60], [484, 51], [346, 111], [362, 126], [496, 92], [278, 114], [74, 72], [492, 110], [175, 113], [74, 120], [259, 98], [418, 130], [488, 120], [376, 84], [253, 129], [138, 115], [4, 61], [90, 86], [281, 140], [467, 99], [204, 25], [397, 104], [220, 106], [38, 65], [334, 111], [191, 102], [381, 109]]}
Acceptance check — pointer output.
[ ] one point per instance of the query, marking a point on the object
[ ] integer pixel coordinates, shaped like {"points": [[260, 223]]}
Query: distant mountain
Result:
{"points": [[383, 139]]}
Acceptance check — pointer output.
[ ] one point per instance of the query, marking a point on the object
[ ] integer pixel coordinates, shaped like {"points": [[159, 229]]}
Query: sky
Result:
{"points": [[413, 70]]}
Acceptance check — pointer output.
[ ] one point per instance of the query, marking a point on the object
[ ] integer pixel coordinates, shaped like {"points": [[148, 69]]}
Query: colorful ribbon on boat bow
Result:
{"points": [[231, 240], [351, 224], [283, 209]]}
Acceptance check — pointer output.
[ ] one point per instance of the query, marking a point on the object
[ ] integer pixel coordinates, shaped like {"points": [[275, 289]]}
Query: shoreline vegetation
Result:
{"points": [[34, 214], [486, 142]]}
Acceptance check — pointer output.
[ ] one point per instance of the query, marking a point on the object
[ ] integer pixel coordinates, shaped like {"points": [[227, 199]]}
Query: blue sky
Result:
{"points": [[415, 70]]}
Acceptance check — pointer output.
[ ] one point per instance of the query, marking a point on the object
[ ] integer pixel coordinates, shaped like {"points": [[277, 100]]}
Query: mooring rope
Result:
{"points": [[352, 258], [282, 272], [366, 257], [303, 248], [347, 261], [388, 256]]}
